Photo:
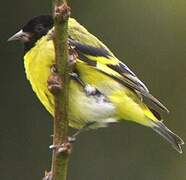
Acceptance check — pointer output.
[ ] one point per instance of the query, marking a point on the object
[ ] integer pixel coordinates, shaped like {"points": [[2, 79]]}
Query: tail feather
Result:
{"points": [[166, 133]]}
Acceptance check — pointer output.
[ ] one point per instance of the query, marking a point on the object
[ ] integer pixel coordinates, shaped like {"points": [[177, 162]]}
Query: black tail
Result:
{"points": [[166, 133]]}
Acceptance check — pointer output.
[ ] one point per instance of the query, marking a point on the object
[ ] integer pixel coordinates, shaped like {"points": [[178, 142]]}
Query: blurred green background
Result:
{"points": [[150, 37]]}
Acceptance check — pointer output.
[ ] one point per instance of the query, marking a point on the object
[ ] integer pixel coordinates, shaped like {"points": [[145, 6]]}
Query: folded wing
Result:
{"points": [[106, 62]]}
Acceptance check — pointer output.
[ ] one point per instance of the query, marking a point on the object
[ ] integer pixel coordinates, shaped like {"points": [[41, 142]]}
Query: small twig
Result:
{"points": [[58, 85]]}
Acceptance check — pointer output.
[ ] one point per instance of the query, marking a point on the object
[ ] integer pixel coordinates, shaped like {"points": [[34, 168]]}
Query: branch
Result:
{"points": [[59, 87]]}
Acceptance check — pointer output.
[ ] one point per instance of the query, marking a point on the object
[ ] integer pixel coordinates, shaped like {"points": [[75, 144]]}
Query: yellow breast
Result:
{"points": [[38, 62], [123, 103]]}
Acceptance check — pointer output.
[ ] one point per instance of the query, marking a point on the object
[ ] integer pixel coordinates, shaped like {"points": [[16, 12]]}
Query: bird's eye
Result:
{"points": [[39, 28]]}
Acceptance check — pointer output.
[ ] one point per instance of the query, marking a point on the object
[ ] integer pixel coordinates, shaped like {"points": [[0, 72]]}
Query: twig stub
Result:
{"points": [[62, 12], [48, 176], [55, 84], [58, 84]]}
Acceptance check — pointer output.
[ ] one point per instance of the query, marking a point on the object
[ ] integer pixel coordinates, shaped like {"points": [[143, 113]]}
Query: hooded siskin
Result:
{"points": [[118, 93]]}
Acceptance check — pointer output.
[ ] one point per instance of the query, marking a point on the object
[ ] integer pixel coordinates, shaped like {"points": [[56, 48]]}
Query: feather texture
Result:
{"points": [[117, 92]]}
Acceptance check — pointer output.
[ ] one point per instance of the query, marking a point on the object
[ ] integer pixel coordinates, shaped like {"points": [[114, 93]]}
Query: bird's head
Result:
{"points": [[33, 31]]}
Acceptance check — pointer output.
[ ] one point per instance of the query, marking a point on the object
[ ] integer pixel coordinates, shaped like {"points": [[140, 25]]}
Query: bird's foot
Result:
{"points": [[89, 90], [55, 83], [73, 138]]}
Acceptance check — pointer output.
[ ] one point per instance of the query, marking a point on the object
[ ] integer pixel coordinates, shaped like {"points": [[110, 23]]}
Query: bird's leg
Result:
{"points": [[55, 82], [89, 90], [75, 76], [72, 138], [84, 128]]}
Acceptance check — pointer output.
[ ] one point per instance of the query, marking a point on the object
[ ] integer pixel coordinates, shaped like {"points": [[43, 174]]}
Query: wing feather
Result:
{"points": [[105, 62]]}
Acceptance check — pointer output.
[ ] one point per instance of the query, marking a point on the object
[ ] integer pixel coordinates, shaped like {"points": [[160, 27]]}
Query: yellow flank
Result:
{"points": [[122, 104], [128, 105]]}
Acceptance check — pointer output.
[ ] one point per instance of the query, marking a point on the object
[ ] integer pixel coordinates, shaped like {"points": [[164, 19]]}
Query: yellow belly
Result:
{"points": [[83, 108], [123, 103]]}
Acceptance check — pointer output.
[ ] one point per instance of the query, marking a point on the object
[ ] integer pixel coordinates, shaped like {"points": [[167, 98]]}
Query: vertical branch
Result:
{"points": [[61, 150]]}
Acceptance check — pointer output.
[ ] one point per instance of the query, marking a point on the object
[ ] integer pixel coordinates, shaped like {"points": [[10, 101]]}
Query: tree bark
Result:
{"points": [[61, 146]]}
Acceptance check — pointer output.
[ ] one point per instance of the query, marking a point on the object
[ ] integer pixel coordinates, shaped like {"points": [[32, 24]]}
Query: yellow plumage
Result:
{"points": [[120, 94], [38, 62]]}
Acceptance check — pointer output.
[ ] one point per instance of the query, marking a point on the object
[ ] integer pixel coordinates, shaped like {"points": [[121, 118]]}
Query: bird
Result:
{"points": [[102, 89]]}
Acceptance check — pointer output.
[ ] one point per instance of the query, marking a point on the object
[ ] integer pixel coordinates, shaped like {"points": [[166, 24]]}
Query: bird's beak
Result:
{"points": [[20, 36]]}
